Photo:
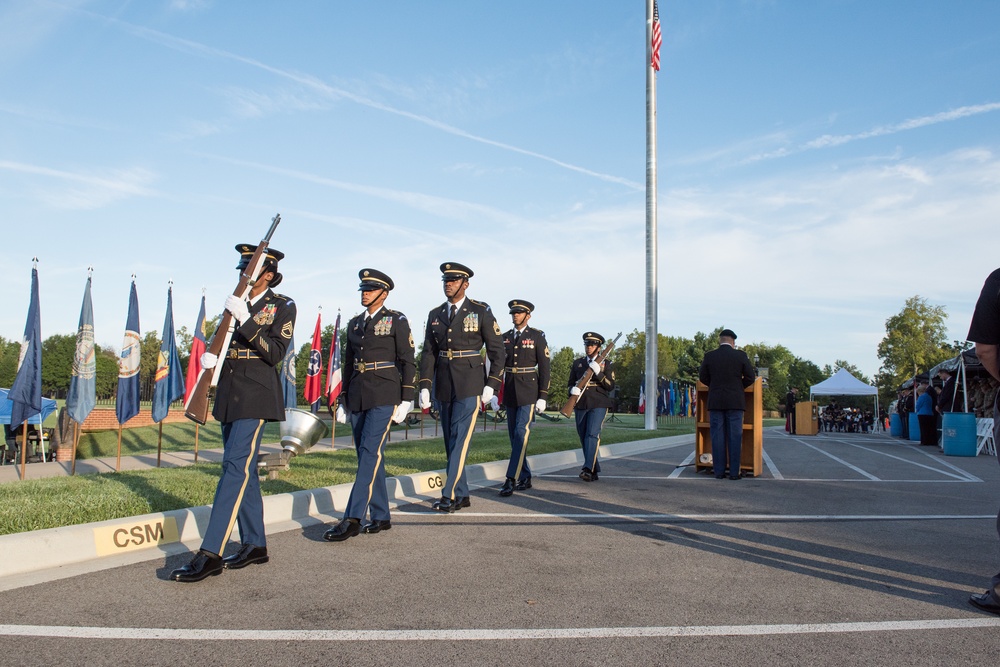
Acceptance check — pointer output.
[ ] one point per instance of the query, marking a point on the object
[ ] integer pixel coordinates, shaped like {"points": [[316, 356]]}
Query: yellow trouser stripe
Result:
{"points": [[465, 449], [524, 445], [378, 462], [251, 461]]}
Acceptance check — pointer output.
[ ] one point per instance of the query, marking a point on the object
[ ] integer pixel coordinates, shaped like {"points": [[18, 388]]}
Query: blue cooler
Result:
{"points": [[914, 427], [958, 433], [895, 426]]}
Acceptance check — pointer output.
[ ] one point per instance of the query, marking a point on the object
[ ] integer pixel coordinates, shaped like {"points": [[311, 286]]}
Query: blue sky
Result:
{"points": [[819, 162]]}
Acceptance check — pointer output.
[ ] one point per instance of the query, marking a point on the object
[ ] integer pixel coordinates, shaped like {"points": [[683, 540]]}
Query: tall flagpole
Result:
{"points": [[651, 335]]}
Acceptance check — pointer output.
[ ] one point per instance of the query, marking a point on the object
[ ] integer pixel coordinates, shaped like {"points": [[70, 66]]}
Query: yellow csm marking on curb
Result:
{"points": [[124, 537]]}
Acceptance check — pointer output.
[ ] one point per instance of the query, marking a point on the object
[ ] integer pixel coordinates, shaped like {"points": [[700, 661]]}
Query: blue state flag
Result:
{"points": [[127, 402], [82, 394], [169, 383], [288, 376], [26, 392]]}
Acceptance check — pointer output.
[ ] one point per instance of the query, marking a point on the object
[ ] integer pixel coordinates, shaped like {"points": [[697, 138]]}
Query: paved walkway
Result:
{"points": [[848, 549]]}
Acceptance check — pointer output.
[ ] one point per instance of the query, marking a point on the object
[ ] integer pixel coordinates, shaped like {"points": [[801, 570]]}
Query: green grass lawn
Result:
{"points": [[61, 501]]}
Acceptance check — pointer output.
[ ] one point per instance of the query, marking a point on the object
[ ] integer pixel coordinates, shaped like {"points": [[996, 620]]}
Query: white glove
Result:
{"points": [[594, 366], [425, 399], [540, 405], [208, 360], [495, 403], [487, 395], [402, 410], [575, 391], [238, 307], [341, 415]]}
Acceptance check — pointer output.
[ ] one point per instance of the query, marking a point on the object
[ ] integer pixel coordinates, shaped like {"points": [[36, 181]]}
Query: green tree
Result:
{"points": [[915, 340], [58, 352], [562, 361], [630, 363], [106, 381], [10, 352]]}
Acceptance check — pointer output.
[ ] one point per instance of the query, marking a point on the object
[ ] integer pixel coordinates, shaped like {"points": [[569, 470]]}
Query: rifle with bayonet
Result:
{"points": [[567, 408], [196, 408]]}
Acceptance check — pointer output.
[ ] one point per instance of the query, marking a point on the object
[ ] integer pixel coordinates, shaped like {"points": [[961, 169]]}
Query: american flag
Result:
{"points": [[657, 38], [333, 375]]}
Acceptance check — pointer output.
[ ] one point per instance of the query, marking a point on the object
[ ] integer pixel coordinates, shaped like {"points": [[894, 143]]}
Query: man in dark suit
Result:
{"points": [[727, 372], [247, 396], [985, 333], [525, 390], [592, 406], [379, 388], [791, 398], [451, 363]]}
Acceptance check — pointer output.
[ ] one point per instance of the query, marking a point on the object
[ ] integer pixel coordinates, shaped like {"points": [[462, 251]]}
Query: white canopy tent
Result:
{"points": [[842, 383]]}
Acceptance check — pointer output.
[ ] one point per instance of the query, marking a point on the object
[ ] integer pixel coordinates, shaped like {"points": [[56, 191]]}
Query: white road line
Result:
{"points": [[488, 634], [700, 478], [723, 518], [962, 475], [679, 469], [940, 460], [841, 461], [770, 465]]}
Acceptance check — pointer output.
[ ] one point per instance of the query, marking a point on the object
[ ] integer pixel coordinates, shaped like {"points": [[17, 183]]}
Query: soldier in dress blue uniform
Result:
{"points": [[593, 403], [379, 389], [456, 331], [247, 396], [525, 390]]}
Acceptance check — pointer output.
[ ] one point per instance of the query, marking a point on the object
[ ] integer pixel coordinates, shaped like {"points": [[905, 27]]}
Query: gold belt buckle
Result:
{"points": [[449, 356]]}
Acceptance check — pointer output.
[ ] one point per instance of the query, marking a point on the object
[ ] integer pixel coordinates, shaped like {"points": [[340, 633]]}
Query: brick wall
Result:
{"points": [[102, 419]]}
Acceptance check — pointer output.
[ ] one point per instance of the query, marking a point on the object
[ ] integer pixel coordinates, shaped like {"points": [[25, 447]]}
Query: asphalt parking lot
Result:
{"points": [[848, 549]]}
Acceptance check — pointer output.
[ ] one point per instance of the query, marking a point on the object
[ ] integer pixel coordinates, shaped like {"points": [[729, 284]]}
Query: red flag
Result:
{"points": [[333, 376], [642, 400], [657, 39], [198, 345], [314, 374]]}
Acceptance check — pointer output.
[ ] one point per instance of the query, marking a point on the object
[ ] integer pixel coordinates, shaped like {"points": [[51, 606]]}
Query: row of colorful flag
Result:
{"points": [[169, 386], [672, 399]]}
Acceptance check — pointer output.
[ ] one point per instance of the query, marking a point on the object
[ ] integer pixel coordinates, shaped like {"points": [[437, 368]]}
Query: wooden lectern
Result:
{"points": [[751, 457]]}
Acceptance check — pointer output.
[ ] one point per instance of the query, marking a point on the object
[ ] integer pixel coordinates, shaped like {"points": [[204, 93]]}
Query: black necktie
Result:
{"points": [[454, 309], [517, 337]]}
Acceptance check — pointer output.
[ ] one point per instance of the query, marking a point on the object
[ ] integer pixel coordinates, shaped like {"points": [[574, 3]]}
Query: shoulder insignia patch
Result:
{"points": [[496, 328], [546, 351]]}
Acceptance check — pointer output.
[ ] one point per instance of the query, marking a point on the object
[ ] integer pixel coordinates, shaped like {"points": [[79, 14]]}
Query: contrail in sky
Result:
{"points": [[189, 46], [830, 140]]}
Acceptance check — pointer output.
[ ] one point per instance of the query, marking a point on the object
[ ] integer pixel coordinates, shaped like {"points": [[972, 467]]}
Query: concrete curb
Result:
{"points": [[55, 553]]}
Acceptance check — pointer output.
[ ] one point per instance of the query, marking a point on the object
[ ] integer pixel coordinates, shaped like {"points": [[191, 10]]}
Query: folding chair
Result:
{"points": [[984, 437]]}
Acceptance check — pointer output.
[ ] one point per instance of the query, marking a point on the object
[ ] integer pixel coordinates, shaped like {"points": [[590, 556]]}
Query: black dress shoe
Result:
{"points": [[459, 503], [586, 475], [734, 477], [594, 477], [203, 565], [343, 530], [720, 477], [247, 555], [444, 505], [523, 485], [508, 488], [376, 526], [985, 602]]}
